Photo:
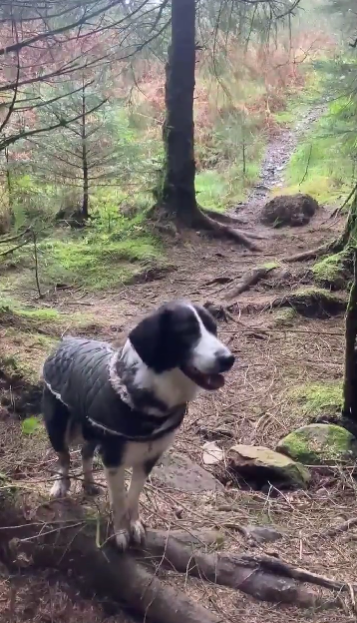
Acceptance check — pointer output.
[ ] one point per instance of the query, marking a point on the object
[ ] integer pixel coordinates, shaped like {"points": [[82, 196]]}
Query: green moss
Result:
{"points": [[317, 444], [271, 265], [314, 291], [285, 317], [331, 270], [317, 398]]}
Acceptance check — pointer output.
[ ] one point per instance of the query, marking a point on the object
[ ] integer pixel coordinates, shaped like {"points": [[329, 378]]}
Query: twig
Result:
{"points": [[343, 527], [13, 238], [9, 251], [307, 166], [40, 295]]}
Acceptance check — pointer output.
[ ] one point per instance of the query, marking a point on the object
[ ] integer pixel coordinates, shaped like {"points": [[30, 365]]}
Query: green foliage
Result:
{"points": [[320, 166], [31, 426], [222, 188]]}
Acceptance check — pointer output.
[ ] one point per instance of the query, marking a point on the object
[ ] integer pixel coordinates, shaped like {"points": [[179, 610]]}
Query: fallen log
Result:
{"points": [[60, 535], [246, 573]]}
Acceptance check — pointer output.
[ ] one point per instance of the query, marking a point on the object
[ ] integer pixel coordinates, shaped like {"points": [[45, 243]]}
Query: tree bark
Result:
{"points": [[178, 131], [350, 373], [178, 189], [85, 202]]}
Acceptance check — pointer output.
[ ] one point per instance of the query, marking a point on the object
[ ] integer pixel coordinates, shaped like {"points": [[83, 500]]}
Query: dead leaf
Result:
{"points": [[212, 453]]}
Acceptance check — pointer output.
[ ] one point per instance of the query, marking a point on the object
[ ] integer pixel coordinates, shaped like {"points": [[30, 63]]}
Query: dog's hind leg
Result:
{"points": [[57, 417], [87, 453]]}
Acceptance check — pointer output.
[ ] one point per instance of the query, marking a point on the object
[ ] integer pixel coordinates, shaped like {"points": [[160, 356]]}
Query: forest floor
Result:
{"points": [[289, 368]]}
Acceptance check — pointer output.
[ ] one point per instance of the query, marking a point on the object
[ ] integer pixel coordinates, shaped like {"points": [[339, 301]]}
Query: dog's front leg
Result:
{"points": [[137, 528], [115, 477]]}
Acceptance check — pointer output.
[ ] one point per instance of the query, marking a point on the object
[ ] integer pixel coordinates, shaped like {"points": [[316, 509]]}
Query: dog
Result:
{"points": [[128, 403]]}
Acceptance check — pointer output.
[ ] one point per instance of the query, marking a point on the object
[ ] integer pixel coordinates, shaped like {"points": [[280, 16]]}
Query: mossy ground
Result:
{"points": [[285, 317], [315, 399], [101, 256], [27, 334]]}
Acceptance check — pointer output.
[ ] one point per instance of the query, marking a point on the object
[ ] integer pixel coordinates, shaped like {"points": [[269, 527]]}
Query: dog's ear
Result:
{"points": [[149, 339]]}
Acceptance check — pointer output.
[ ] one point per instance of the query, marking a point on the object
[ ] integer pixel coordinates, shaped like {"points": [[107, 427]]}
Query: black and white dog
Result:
{"points": [[129, 402]]}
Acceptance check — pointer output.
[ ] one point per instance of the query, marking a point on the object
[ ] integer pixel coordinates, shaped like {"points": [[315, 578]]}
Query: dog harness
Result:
{"points": [[80, 374]]}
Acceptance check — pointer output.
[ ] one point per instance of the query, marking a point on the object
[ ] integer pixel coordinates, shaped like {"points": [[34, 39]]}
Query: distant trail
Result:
{"points": [[277, 155]]}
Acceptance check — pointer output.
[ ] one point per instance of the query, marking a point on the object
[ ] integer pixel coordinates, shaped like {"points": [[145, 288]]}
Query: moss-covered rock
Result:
{"points": [[262, 464], [332, 271], [319, 444], [313, 302]]}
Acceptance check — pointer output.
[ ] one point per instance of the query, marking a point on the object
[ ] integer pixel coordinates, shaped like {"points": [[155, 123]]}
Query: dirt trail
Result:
{"points": [[277, 156]]}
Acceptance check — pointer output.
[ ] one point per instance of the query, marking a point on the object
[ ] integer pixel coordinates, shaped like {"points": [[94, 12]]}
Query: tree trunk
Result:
{"points": [[85, 203], [178, 189], [350, 375], [178, 132]]}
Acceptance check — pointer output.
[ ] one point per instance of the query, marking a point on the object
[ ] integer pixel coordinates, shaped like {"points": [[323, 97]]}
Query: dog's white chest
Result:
{"points": [[138, 453]]}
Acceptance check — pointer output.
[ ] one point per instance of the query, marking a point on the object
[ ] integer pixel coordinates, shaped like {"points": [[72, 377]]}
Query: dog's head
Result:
{"points": [[182, 335]]}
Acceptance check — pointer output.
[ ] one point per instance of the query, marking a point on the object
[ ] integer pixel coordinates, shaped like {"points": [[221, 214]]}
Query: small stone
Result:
{"points": [[319, 444], [264, 534], [264, 465]]}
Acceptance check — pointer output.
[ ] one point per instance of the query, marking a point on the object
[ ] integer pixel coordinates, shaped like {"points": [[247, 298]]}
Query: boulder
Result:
{"points": [[262, 465], [319, 444], [293, 210]]}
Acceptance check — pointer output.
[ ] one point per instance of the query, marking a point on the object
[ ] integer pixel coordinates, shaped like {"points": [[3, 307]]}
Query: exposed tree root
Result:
{"points": [[335, 530], [311, 254], [60, 536], [197, 219], [335, 246], [221, 217], [249, 279], [311, 304], [202, 221]]}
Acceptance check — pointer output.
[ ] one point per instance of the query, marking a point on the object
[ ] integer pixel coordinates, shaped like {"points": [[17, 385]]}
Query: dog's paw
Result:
{"points": [[60, 489], [90, 488], [122, 539], [137, 532]]}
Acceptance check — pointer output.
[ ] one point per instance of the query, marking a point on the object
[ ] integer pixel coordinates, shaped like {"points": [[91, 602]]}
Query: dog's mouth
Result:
{"points": [[210, 382]]}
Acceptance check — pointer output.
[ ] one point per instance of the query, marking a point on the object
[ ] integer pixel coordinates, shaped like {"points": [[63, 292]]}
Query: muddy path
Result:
{"points": [[277, 155]]}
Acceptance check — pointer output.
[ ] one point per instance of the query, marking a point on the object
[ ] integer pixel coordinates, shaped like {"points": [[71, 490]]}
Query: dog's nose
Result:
{"points": [[225, 362]]}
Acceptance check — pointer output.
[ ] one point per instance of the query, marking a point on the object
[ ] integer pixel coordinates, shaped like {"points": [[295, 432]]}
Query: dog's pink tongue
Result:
{"points": [[214, 381]]}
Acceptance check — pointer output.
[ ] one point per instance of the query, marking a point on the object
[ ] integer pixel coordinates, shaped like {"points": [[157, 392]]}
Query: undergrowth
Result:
{"points": [[324, 163], [106, 253]]}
